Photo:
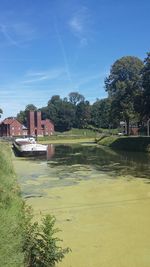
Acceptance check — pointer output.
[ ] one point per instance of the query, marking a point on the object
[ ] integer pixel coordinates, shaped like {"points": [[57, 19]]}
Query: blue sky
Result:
{"points": [[50, 47]]}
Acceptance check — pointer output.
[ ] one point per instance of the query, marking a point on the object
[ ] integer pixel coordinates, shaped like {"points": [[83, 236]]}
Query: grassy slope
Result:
{"points": [[65, 140], [127, 143], [72, 136], [10, 213]]}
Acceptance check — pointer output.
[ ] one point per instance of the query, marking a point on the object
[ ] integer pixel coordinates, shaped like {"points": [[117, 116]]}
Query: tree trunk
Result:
{"points": [[148, 122], [128, 128]]}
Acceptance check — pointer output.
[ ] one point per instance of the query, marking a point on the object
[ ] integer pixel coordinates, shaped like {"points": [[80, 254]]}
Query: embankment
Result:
{"points": [[72, 136], [11, 213], [138, 144]]}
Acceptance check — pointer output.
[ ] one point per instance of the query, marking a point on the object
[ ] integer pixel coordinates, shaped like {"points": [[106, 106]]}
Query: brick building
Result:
{"points": [[38, 127], [35, 126], [11, 127]]}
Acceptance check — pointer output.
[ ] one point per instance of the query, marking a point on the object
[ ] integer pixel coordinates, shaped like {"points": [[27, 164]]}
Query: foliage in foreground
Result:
{"points": [[41, 244]]}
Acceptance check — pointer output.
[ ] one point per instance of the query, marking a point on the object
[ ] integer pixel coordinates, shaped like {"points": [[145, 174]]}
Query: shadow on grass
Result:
{"points": [[132, 144]]}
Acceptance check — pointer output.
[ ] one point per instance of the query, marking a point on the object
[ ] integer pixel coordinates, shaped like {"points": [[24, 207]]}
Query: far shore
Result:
{"points": [[67, 141]]}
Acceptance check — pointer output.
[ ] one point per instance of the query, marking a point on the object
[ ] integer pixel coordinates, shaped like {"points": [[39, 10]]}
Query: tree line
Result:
{"points": [[128, 88]]}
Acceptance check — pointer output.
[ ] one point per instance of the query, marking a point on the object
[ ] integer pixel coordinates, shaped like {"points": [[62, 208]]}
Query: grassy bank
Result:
{"points": [[141, 144], [72, 136], [10, 213], [65, 140]]}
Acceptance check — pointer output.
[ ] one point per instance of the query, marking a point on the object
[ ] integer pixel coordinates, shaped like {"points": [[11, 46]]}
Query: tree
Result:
{"points": [[146, 92], [23, 114], [53, 108], [30, 107], [66, 116], [123, 86], [61, 112], [75, 98], [83, 114], [100, 113], [1, 112], [146, 87], [55, 99]]}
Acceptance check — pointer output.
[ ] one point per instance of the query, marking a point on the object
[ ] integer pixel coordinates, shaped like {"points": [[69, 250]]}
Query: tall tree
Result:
{"points": [[146, 87], [1, 112], [83, 114], [61, 112], [66, 116], [100, 113], [31, 107], [123, 86], [22, 115], [75, 98], [53, 107]]}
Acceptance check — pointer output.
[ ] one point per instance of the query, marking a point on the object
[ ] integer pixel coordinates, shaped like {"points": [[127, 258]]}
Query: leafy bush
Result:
{"points": [[41, 245]]}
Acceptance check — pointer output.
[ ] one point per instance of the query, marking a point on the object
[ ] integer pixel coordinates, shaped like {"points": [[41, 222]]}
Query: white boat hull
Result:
{"points": [[30, 149]]}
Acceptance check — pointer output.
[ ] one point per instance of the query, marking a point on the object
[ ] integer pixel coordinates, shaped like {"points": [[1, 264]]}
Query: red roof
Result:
{"points": [[8, 121], [43, 122]]}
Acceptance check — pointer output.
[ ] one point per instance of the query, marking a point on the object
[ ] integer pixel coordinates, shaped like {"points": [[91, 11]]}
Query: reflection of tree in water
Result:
{"points": [[135, 163], [102, 159]]}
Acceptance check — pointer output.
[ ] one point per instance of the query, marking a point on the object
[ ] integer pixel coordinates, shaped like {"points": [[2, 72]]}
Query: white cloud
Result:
{"points": [[76, 24], [16, 34], [79, 25], [33, 77], [6, 34]]}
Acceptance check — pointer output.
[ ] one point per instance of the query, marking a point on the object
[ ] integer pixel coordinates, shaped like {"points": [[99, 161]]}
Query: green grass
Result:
{"points": [[126, 143], [10, 213], [90, 132], [74, 135], [80, 132]]}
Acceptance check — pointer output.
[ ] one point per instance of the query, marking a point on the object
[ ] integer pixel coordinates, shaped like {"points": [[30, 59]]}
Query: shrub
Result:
{"points": [[41, 245]]}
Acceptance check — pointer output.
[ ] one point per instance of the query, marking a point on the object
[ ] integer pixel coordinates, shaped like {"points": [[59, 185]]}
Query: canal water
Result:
{"points": [[101, 200]]}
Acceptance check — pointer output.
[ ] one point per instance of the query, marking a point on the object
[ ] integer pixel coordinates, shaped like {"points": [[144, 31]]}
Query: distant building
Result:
{"points": [[11, 127], [35, 126], [38, 127], [133, 128]]}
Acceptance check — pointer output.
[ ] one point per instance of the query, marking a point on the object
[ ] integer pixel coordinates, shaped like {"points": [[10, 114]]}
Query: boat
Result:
{"points": [[29, 147], [30, 140]]}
